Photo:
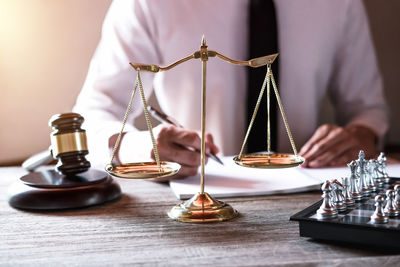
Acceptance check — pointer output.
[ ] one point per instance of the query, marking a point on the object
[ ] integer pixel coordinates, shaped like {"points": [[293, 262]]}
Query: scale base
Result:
{"points": [[48, 190], [202, 208]]}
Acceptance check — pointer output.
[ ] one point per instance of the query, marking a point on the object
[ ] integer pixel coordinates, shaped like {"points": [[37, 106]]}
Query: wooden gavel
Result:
{"points": [[68, 146], [69, 143], [72, 184]]}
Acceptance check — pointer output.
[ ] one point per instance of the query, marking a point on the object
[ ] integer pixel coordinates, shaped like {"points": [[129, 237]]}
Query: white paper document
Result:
{"points": [[232, 180]]}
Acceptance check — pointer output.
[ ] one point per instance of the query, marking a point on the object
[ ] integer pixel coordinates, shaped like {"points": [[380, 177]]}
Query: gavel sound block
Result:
{"points": [[72, 184]]}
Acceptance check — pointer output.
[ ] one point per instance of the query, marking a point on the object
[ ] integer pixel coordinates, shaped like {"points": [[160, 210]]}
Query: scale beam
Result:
{"points": [[254, 63]]}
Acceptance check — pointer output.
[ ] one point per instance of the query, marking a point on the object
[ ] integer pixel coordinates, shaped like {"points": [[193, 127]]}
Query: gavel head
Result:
{"points": [[68, 143]]}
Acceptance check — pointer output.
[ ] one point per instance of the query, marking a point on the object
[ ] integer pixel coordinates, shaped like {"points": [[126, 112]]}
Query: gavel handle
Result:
{"points": [[37, 160]]}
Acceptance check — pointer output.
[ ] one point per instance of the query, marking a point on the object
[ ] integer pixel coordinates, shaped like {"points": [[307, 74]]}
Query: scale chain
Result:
{"points": [[128, 109], [149, 126], [283, 115], [254, 112], [269, 111]]}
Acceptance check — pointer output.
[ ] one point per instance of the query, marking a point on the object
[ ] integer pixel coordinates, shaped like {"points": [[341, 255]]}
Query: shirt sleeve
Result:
{"points": [[128, 35], [357, 90]]}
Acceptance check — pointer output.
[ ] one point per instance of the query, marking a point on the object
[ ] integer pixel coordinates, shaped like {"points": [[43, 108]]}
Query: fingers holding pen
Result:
{"points": [[179, 145], [169, 151], [210, 145], [182, 146], [185, 139], [191, 139]]}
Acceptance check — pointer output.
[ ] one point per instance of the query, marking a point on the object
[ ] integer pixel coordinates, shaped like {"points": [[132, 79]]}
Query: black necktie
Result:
{"points": [[263, 40]]}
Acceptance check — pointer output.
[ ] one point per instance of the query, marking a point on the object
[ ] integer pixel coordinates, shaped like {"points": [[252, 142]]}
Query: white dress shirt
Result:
{"points": [[324, 47]]}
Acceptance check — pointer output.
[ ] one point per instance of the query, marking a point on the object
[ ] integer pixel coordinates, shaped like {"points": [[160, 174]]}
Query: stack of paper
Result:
{"points": [[232, 180]]}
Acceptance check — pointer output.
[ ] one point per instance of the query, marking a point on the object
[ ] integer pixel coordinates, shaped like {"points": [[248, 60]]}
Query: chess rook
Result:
{"points": [[390, 209], [379, 216], [354, 185], [327, 210]]}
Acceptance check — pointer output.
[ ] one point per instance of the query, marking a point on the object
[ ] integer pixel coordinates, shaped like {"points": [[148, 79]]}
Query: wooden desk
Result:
{"points": [[136, 230]]}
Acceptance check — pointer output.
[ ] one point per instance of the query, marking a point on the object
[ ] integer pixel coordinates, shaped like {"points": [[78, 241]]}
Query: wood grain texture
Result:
{"points": [[136, 230]]}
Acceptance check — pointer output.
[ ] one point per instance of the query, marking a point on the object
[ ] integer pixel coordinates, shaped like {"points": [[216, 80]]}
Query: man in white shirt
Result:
{"points": [[324, 48]]}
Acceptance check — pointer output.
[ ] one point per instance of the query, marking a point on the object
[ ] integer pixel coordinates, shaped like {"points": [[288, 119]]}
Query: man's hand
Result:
{"points": [[182, 146], [332, 145]]}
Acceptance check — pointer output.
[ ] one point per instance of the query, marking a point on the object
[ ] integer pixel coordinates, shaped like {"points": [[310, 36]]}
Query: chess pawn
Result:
{"points": [[397, 196], [348, 199], [382, 164], [379, 216], [354, 189], [361, 162], [390, 209], [327, 210], [370, 175], [339, 198]]}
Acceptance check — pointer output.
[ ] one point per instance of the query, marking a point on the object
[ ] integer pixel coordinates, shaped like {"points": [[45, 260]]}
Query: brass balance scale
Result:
{"points": [[202, 207]]}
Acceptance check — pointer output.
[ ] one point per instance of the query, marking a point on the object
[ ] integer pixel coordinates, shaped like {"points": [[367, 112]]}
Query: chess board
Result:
{"points": [[353, 225]]}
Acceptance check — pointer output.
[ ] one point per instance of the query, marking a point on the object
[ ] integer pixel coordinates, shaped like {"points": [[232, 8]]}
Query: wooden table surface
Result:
{"points": [[136, 230]]}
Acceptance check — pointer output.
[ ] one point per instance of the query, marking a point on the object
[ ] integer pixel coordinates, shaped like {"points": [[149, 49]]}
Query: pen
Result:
{"points": [[162, 117]]}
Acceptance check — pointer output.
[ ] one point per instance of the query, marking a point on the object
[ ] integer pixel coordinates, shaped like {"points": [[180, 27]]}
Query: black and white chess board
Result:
{"points": [[352, 225]]}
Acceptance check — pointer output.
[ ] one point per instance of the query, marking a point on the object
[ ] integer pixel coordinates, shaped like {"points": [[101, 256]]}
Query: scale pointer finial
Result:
{"points": [[203, 40]]}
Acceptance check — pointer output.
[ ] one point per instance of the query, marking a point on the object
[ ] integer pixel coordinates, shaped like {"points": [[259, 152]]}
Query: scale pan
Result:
{"points": [[269, 161], [143, 170]]}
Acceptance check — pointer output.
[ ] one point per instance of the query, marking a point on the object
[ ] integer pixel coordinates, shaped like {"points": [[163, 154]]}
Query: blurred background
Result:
{"points": [[45, 50]]}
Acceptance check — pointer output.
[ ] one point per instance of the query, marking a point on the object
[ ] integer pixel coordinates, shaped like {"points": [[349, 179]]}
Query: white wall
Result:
{"points": [[46, 46]]}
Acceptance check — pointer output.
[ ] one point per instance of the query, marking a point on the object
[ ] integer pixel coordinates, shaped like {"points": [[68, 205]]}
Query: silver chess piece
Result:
{"points": [[379, 216], [376, 175], [382, 167], [348, 199], [362, 163], [354, 182], [327, 210], [397, 195], [370, 175], [390, 209], [338, 197]]}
